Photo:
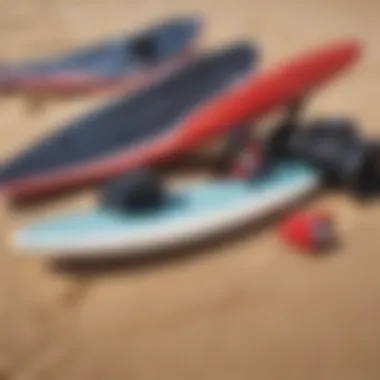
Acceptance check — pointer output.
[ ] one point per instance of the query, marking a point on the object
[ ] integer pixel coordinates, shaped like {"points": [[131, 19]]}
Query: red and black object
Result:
{"points": [[312, 231]]}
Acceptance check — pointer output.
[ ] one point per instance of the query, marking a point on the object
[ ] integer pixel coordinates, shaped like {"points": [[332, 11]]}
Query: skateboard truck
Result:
{"points": [[244, 156]]}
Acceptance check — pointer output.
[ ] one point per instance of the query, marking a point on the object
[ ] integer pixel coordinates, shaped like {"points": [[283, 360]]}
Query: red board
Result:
{"points": [[247, 100]]}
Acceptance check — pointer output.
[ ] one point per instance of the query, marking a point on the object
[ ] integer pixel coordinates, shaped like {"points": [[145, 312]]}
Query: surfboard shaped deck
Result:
{"points": [[227, 108], [123, 61], [189, 214], [131, 123]]}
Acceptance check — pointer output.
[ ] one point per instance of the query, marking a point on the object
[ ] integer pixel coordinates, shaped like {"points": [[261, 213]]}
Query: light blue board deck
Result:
{"points": [[195, 210]]}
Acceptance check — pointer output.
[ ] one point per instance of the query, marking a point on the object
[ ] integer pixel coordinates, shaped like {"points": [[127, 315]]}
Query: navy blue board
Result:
{"points": [[132, 120], [108, 60]]}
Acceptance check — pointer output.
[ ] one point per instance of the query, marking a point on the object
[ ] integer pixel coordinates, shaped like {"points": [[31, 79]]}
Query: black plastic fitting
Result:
{"points": [[136, 191], [334, 146]]}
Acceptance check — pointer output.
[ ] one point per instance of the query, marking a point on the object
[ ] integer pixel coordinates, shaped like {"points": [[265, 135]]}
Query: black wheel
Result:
{"points": [[140, 190]]}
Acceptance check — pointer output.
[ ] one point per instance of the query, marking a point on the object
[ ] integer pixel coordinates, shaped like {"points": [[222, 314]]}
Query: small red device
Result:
{"points": [[310, 231]]}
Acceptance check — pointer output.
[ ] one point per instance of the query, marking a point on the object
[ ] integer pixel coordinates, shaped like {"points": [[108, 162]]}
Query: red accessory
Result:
{"points": [[310, 231]]}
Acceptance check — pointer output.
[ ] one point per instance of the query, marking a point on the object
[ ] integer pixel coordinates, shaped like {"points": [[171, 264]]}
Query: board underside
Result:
{"points": [[133, 120], [190, 214], [116, 57]]}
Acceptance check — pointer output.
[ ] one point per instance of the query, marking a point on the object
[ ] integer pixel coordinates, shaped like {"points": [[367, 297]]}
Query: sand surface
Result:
{"points": [[247, 308]]}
